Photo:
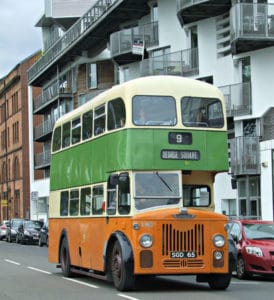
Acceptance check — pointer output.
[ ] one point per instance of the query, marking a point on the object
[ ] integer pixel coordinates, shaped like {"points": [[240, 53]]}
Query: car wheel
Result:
{"points": [[17, 239], [240, 269], [40, 244], [65, 258]]}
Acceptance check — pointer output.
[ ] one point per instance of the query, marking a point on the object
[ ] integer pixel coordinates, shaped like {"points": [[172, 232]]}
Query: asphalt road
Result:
{"points": [[26, 274]]}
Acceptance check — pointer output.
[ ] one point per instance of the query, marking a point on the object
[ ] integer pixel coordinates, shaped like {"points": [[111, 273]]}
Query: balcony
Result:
{"points": [[43, 131], [42, 160], [181, 63], [267, 125], [252, 27], [92, 30], [122, 42], [49, 95], [245, 156], [238, 99], [190, 11]]}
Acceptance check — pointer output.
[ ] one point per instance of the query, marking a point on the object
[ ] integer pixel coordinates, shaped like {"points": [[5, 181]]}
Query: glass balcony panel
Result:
{"points": [[245, 156], [238, 99]]}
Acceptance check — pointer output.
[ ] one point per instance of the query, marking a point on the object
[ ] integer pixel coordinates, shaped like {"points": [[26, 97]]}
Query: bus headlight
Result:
{"points": [[218, 240], [146, 241]]}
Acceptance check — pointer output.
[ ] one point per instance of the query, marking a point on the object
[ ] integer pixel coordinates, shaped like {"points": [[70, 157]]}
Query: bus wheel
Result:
{"points": [[123, 278], [64, 258], [219, 281]]}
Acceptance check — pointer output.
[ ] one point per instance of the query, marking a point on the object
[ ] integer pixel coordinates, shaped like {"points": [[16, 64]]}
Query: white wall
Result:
{"points": [[266, 180]]}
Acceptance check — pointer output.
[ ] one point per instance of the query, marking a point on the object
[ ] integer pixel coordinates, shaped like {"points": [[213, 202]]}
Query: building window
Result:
{"points": [[15, 106], [92, 76], [16, 168]]}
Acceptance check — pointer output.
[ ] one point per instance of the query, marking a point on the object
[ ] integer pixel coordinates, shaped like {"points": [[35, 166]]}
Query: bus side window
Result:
{"points": [[64, 203], [116, 114], [124, 194], [74, 203], [56, 145], [76, 131], [97, 200], [99, 120], [66, 135], [85, 204], [87, 125]]}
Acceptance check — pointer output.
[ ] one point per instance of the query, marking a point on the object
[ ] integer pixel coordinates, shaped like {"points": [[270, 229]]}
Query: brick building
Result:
{"points": [[14, 141]]}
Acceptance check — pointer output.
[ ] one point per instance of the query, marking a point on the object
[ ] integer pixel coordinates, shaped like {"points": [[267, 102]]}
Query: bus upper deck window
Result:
{"points": [[154, 111], [66, 135], [202, 112], [116, 114], [99, 120], [56, 141], [76, 130], [87, 125]]}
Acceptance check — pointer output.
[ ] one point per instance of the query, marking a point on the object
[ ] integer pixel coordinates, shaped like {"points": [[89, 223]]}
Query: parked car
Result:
{"points": [[43, 236], [12, 229], [255, 247], [3, 229], [28, 232]]}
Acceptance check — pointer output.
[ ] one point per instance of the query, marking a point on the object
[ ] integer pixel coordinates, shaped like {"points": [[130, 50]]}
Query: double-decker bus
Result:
{"points": [[131, 184]]}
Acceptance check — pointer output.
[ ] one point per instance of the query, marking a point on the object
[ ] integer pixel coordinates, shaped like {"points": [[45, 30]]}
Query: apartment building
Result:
{"points": [[224, 42], [14, 141]]}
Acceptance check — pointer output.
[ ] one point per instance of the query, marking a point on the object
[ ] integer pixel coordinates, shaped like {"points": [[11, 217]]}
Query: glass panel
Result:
{"points": [[92, 76], [64, 203], [66, 135], [202, 112], [87, 125], [85, 207], [56, 139], [154, 110], [116, 114], [99, 120], [196, 196], [76, 130], [74, 203], [156, 189], [97, 200]]}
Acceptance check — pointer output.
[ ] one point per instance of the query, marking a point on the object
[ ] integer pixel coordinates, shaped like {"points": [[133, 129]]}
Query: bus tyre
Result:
{"points": [[65, 259], [219, 281], [123, 277]]}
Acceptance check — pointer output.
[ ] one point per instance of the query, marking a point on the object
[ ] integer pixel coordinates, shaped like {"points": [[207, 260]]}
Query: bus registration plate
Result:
{"points": [[182, 254]]}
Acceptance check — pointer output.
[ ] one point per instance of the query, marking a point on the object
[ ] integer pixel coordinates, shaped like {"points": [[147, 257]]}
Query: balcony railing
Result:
{"points": [[252, 22], [245, 156], [50, 94], [195, 10], [76, 31], [122, 41], [267, 125], [42, 159], [44, 129], [181, 63], [238, 99]]}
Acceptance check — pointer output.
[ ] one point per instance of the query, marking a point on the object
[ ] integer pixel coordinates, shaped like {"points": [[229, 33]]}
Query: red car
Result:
{"points": [[255, 247]]}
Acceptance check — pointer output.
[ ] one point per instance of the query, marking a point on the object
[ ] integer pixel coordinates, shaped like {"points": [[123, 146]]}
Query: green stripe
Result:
{"points": [[134, 149]]}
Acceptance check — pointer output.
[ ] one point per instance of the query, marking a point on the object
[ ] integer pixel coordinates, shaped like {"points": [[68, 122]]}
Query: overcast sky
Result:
{"points": [[19, 38]]}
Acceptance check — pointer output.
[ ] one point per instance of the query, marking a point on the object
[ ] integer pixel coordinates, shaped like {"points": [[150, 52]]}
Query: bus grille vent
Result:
{"points": [[191, 240]]}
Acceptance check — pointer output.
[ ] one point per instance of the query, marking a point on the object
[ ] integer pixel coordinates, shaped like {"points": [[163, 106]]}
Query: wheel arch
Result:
{"points": [[127, 252]]}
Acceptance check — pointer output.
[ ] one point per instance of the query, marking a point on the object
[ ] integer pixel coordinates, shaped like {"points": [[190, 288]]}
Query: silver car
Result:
{"points": [[3, 229]]}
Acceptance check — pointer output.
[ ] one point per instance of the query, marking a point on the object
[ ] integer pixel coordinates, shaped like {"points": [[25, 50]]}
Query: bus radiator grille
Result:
{"points": [[182, 241], [184, 263]]}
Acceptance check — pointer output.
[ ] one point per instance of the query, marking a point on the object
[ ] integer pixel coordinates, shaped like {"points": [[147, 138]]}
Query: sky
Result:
{"points": [[19, 38]]}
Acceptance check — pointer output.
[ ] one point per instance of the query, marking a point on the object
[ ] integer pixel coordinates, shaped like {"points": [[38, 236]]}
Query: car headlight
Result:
{"points": [[146, 241], [218, 240], [26, 232], [254, 251]]}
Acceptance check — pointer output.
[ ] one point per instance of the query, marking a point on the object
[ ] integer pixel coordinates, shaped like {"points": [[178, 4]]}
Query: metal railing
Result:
{"points": [[238, 99], [181, 63], [252, 21], [181, 4], [42, 159], [122, 41], [76, 31]]}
